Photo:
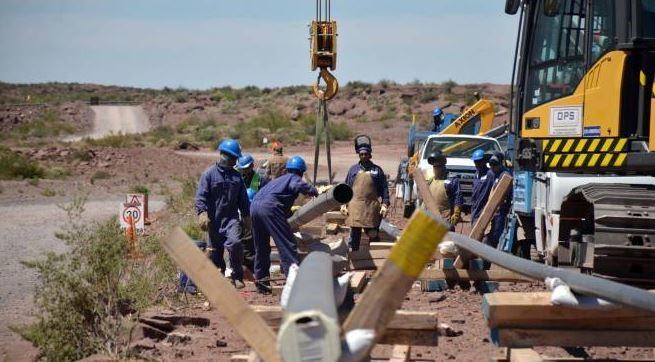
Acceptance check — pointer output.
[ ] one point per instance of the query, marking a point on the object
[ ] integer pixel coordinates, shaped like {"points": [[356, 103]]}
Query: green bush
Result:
{"points": [[139, 189], [16, 166], [100, 175], [48, 125], [449, 85], [340, 131], [88, 298], [47, 192]]}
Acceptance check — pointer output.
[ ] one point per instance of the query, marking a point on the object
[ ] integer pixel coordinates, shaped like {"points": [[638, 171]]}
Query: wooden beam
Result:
{"points": [[534, 310], [400, 353], [424, 191], [525, 338], [495, 199], [221, 294], [377, 305], [358, 281], [401, 320], [524, 355], [474, 275]]}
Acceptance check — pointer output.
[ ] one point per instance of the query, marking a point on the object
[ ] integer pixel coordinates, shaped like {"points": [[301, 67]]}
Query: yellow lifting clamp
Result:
{"points": [[323, 52]]}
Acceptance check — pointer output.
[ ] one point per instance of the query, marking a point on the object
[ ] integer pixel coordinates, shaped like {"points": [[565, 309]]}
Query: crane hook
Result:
{"points": [[331, 88]]}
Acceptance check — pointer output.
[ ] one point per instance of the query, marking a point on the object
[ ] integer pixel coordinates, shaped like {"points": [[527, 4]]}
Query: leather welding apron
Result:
{"points": [[276, 166], [438, 192], [364, 208]]}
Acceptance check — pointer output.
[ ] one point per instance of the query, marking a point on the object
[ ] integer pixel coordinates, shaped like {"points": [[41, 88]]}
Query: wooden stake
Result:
{"points": [[221, 294], [496, 198], [391, 282], [424, 191]]}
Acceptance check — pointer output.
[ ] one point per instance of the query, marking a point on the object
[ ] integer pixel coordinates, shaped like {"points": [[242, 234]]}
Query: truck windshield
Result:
{"points": [[648, 19], [459, 147]]}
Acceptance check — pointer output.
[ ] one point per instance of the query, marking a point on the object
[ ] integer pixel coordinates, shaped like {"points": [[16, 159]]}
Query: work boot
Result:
{"points": [[238, 284], [264, 287]]}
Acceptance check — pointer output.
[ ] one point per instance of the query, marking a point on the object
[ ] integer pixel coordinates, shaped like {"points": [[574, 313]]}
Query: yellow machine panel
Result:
{"points": [[594, 104]]}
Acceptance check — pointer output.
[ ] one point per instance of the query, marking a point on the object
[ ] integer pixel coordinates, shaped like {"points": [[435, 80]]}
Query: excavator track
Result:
{"points": [[617, 224]]}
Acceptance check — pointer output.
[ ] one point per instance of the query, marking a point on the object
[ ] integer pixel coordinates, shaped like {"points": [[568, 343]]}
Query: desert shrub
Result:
{"points": [[340, 131], [56, 172], [429, 96], [48, 125], [139, 189], [17, 166], [88, 298], [118, 140], [165, 133], [449, 85], [47, 192], [100, 175], [355, 84]]}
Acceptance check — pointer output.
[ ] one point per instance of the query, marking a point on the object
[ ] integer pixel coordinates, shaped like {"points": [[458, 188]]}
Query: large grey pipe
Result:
{"points": [[582, 283], [389, 229], [328, 201]]}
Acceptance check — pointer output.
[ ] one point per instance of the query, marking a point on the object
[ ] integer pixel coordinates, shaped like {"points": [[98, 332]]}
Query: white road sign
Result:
{"points": [[136, 211]]}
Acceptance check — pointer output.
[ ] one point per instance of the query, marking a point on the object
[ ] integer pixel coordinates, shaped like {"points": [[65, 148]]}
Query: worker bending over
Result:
{"points": [[270, 210], [498, 169], [483, 181], [221, 200], [276, 163], [445, 190], [370, 200]]}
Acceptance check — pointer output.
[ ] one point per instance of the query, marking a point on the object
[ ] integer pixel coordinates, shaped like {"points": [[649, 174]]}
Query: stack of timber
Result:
{"points": [[525, 320]]}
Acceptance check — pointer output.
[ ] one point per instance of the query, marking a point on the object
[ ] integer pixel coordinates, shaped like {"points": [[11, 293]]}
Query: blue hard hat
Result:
{"points": [[477, 155], [437, 112], [231, 147], [245, 161], [251, 194], [296, 163]]}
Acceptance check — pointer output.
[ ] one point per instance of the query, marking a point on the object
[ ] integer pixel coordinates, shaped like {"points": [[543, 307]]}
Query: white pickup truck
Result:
{"points": [[458, 150]]}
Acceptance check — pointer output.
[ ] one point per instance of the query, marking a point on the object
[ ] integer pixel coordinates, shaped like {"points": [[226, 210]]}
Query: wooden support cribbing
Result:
{"points": [[524, 355], [221, 294], [400, 353], [358, 281], [525, 338], [417, 328], [377, 305], [495, 199], [424, 191], [534, 310], [474, 275]]}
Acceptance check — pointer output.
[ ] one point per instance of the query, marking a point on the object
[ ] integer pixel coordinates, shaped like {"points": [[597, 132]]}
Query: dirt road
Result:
{"points": [[115, 119], [27, 234]]}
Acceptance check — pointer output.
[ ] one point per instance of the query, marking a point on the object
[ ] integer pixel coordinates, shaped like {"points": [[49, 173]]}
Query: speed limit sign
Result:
{"points": [[133, 210]]}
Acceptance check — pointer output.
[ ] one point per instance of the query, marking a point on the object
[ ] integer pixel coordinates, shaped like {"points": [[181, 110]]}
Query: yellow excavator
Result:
{"points": [[582, 135]]}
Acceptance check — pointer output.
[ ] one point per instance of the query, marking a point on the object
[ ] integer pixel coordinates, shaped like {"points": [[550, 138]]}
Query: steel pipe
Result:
{"points": [[581, 283], [328, 201], [389, 229]]}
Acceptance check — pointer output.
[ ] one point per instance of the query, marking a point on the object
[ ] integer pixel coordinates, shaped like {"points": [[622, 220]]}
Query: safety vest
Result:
{"points": [[254, 182]]}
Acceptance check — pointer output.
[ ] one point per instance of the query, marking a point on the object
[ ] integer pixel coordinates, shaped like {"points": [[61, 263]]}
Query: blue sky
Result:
{"points": [[206, 43]]}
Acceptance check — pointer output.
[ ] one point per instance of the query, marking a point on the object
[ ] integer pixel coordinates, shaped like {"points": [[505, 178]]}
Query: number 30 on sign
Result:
{"points": [[134, 210]]}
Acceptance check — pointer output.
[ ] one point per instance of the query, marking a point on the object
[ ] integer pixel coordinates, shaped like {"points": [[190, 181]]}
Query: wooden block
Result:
{"points": [[524, 355], [434, 285], [381, 245], [221, 294], [485, 287], [400, 353], [239, 358], [368, 254], [331, 229], [495, 199], [534, 310], [497, 275], [365, 264], [377, 305], [525, 338], [358, 281], [335, 217]]}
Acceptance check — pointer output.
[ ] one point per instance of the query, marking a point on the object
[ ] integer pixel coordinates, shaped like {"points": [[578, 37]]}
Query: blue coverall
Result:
{"points": [[381, 187], [482, 185], [270, 210], [222, 194], [499, 218]]}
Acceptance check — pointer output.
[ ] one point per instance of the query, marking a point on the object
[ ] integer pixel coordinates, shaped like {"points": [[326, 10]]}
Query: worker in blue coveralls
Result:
{"points": [[438, 119], [270, 210], [221, 200], [483, 181], [496, 162], [445, 189], [247, 240], [370, 201], [253, 180]]}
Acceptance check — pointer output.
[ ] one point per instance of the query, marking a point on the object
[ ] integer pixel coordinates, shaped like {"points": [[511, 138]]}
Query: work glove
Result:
{"points": [[295, 208], [344, 210], [384, 209], [456, 217], [203, 221], [323, 189]]}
